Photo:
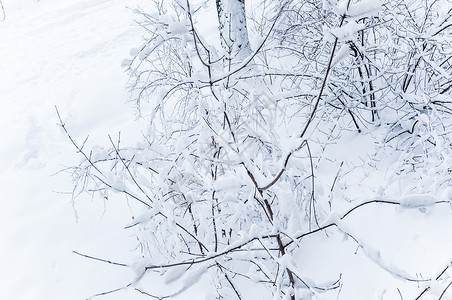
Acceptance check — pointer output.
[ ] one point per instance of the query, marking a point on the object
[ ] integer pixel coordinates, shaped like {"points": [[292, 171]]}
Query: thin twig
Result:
{"points": [[63, 125], [328, 69], [128, 169], [444, 292], [100, 259], [150, 295], [3, 10], [110, 292]]}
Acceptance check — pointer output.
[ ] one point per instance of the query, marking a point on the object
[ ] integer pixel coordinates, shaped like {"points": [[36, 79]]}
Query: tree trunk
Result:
{"points": [[233, 32]]}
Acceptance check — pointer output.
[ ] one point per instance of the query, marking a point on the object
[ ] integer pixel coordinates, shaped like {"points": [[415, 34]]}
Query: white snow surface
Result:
{"points": [[68, 54]]}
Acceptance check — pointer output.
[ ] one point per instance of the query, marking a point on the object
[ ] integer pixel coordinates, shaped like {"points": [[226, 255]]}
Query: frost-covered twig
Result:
{"points": [[325, 78], [128, 169], [99, 177], [79, 149]]}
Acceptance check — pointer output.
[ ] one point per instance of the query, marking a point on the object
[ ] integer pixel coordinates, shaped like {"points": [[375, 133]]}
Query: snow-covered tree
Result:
{"points": [[238, 128]]}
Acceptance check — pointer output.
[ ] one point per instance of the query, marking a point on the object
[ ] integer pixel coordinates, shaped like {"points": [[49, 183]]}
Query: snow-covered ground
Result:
{"points": [[68, 54]]}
